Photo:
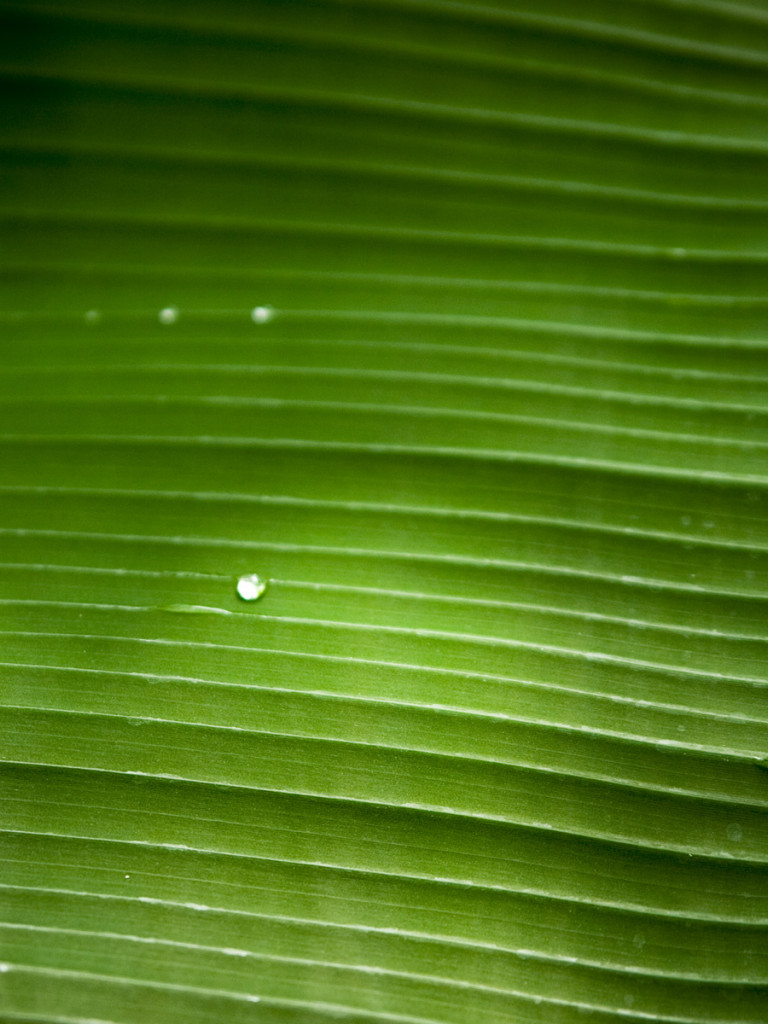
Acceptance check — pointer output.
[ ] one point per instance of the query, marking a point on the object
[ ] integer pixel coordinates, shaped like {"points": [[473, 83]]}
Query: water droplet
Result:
{"points": [[638, 941], [251, 587], [169, 315], [261, 314], [734, 833], [127, 876], [4, 968], [685, 520], [92, 316]]}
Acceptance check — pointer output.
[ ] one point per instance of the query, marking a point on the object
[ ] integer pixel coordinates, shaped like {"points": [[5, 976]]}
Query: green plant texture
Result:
{"points": [[448, 321]]}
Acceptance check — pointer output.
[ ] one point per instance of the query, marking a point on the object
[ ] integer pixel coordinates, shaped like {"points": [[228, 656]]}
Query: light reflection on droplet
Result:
{"points": [[261, 314], [169, 315], [251, 587]]}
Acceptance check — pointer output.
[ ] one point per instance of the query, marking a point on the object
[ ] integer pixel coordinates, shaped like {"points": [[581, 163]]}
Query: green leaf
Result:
{"points": [[447, 322]]}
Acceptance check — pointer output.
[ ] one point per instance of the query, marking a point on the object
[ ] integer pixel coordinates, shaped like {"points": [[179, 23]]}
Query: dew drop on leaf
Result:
{"points": [[251, 587], [261, 314], [169, 315]]}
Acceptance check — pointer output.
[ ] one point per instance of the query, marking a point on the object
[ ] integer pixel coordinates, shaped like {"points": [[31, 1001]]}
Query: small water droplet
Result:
{"points": [[261, 314], [92, 316], [629, 999], [685, 520], [734, 833], [251, 587], [638, 941], [4, 968], [681, 728], [127, 876], [169, 315]]}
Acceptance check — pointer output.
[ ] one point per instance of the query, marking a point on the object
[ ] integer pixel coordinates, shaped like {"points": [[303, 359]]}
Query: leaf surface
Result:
{"points": [[447, 321]]}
